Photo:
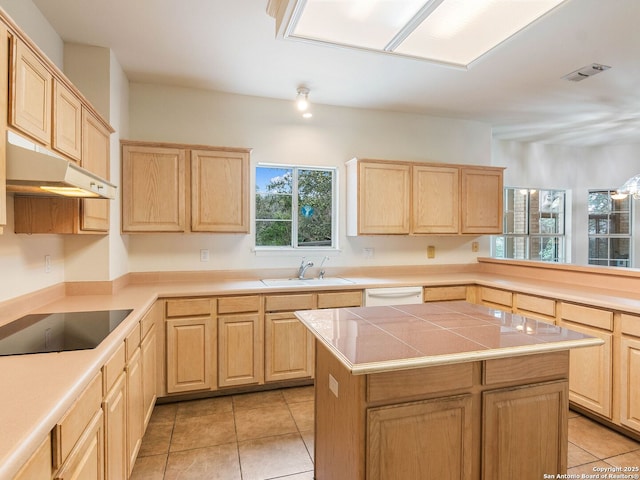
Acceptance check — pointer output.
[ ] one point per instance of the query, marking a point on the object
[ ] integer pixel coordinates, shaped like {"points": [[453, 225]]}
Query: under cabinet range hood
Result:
{"points": [[31, 170]]}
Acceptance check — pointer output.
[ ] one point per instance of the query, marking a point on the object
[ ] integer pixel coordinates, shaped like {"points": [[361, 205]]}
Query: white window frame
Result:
{"points": [[295, 249]]}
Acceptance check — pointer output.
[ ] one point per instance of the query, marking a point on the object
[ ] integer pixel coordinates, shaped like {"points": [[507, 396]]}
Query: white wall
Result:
{"points": [[276, 132], [22, 256], [571, 168]]}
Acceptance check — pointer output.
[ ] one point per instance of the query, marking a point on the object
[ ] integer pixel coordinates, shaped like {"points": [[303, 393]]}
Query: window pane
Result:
{"points": [[274, 180], [273, 233], [620, 248], [315, 201], [273, 207], [619, 223]]}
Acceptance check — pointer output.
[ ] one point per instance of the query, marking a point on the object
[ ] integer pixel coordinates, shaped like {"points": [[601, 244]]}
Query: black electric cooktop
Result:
{"points": [[58, 332]]}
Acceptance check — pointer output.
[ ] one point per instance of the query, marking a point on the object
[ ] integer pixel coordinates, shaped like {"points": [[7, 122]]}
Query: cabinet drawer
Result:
{"points": [[303, 301], [113, 368], [340, 299], [531, 303], [149, 319], [594, 317], [239, 304], [69, 429], [630, 324], [185, 307], [419, 381], [437, 294], [493, 295], [546, 366], [132, 341]]}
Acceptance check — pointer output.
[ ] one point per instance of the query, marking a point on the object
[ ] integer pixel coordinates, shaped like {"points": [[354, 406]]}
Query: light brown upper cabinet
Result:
{"points": [[436, 205], [165, 184], [390, 197], [95, 158], [45, 106], [378, 197], [31, 94], [67, 114], [153, 184], [482, 195], [219, 191]]}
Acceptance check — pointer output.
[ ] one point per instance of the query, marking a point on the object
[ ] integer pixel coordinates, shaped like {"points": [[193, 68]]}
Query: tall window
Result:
{"points": [[609, 229], [533, 225], [295, 207]]}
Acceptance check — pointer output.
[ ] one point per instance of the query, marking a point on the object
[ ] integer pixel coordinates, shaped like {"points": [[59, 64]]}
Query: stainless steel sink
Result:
{"points": [[306, 282]]}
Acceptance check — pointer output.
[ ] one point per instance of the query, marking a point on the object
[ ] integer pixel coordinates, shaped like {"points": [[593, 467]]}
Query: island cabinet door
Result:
{"points": [[421, 440], [525, 431]]}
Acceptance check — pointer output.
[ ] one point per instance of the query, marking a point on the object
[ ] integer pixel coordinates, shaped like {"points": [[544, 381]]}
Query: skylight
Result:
{"points": [[454, 32]]}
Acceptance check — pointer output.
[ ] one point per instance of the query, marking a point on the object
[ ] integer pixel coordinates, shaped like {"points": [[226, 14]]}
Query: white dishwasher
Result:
{"points": [[392, 296]]}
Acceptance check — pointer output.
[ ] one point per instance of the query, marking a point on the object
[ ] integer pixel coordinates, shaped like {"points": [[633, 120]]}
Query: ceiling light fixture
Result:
{"points": [[452, 32], [302, 100]]}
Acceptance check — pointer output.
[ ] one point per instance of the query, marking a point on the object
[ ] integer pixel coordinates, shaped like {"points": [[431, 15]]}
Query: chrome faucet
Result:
{"points": [[322, 269], [304, 266]]}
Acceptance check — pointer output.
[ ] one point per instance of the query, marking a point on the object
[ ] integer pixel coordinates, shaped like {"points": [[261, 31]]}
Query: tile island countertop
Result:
{"points": [[387, 338]]}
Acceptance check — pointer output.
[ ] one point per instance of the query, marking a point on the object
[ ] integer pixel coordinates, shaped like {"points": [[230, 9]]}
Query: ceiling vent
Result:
{"points": [[586, 72]]}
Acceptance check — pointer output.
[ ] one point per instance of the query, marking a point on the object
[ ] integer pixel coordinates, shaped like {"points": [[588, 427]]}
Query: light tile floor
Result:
{"points": [[269, 435]]}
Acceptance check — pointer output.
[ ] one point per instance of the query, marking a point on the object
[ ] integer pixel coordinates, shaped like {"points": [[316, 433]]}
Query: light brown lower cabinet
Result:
{"points": [[288, 348], [148, 350], [495, 419], [524, 431], [240, 350], [419, 440], [135, 413], [114, 407], [189, 354], [629, 375], [591, 377], [38, 467], [86, 459]]}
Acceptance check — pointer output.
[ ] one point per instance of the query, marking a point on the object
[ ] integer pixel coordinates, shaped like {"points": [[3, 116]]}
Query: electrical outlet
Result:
{"points": [[204, 255], [474, 246], [47, 264], [333, 385], [368, 252], [431, 251]]}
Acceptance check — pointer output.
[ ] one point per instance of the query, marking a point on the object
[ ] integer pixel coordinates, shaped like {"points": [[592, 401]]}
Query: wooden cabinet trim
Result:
{"points": [[239, 304], [69, 429], [419, 381], [584, 315], [340, 299], [184, 307], [289, 302]]}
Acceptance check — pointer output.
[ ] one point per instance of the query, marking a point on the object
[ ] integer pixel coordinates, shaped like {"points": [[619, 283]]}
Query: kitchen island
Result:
{"points": [[445, 390]]}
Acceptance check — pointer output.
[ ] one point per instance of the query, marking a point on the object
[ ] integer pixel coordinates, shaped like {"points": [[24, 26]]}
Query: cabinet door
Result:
{"points": [[86, 460], [95, 158], [289, 348], [240, 349], [383, 198], [219, 191], [31, 95], [436, 193], [630, 383], [4, 114], [38, 467], [115, 423], [149, 372], [153, 189], [590, 372], [189, 354], [421, 440], [525, 431], [67, 125], [481, 203], [135, 414]]}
